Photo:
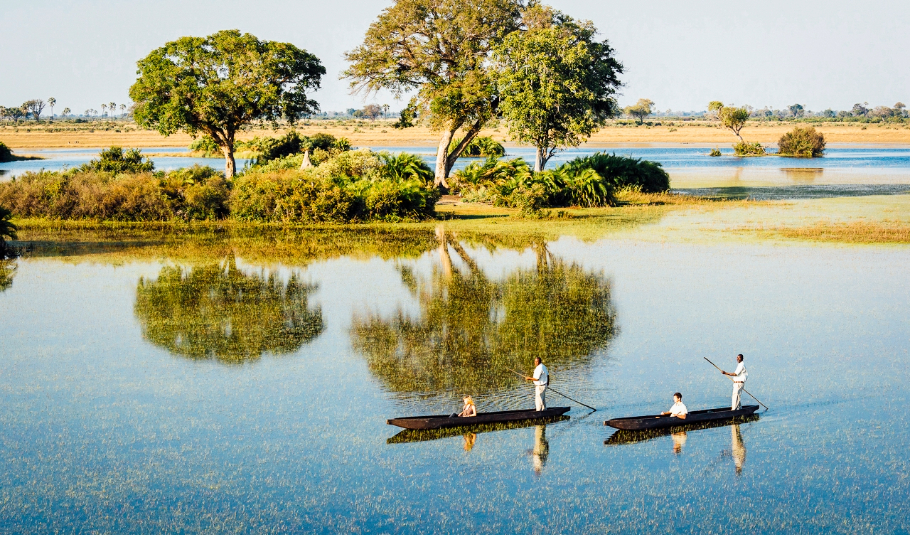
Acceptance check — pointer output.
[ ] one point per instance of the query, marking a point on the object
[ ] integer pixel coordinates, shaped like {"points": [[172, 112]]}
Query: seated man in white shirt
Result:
{"points": [[678, 410]]}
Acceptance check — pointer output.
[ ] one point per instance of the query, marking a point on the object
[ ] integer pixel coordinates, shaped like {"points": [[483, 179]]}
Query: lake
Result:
{"points": [[242, 384], [869, 170]]}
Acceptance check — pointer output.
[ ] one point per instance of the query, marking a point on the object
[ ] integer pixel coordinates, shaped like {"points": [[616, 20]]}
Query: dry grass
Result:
{"points": [[852, 232], [381, 133]]}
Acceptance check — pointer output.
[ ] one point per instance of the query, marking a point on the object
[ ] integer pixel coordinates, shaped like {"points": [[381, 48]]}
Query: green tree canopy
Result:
{"points": [[441, 49], [556, 82], [217, 84], [640, 110], [219, 312], [730, 116]]}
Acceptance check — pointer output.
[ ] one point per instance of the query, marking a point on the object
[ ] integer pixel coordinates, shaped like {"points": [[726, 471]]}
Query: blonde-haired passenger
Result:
{"points": [[469, 408]]}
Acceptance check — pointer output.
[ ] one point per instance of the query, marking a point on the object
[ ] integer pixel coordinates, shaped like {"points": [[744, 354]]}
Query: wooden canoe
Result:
{"points": [[656, 421], [622, 437], [438, 422], [406, 436]]}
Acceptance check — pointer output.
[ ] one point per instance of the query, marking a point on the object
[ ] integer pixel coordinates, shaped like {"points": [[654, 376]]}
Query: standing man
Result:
{"points": [[739, 381], [541, 379]]}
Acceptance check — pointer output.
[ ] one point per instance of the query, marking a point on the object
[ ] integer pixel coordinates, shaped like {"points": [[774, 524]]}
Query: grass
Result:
{"points": [[851, 232], [127, 134]]}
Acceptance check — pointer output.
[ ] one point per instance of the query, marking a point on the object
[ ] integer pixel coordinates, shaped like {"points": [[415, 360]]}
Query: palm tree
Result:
{"points": [[103, 107], [50, 102], [112, 107], [7, 228], [66, 111], [122, 109]]}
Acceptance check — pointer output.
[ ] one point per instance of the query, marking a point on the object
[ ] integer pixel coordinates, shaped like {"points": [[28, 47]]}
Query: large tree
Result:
{"points": [[556, 82], [640, 109], [33, 107], [217, 84], [440, 49], [731, 117]]}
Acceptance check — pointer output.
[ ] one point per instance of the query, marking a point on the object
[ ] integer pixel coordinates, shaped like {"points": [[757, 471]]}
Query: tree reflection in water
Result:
{"points": [[219, 312], [472, 330], [7, 272]]}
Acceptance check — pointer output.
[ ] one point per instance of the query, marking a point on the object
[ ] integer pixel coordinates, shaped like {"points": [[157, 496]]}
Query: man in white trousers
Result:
{"points": [[739, 382], [541, 379]]}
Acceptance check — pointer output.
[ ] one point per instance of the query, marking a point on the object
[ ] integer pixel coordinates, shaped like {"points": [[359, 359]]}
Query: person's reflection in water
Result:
{"points": [[679, 440], [541, 449], [738, 449], [469, 440]]}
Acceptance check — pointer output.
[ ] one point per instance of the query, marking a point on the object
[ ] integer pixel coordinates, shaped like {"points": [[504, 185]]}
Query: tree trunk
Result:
{"points": [[540, 159], [229, 165], [442, 159]]}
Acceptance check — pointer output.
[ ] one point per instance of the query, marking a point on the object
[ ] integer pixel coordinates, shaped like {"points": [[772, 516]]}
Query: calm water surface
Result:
{"points": [[234, 387]]}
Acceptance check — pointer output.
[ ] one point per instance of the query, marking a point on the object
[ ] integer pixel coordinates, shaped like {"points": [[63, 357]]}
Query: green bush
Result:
{"points": [[481, 146], [207, 146], [116, 160], [6, 155], [714, 152], [404, 166], [290, 197], [744, 148], [622, 172], [802, 141], [81, 194]]}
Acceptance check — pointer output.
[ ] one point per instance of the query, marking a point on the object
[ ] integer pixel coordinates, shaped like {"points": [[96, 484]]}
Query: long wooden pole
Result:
{"points": [[557, 392], [744, 388]]}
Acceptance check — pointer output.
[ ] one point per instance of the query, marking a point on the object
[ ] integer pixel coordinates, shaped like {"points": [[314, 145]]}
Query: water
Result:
{"points": [[242, 384], [60, 159], [689, 166]]}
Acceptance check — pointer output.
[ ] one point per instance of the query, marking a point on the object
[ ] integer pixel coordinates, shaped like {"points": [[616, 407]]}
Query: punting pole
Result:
{"points": [[557, 392], [744, 389]]}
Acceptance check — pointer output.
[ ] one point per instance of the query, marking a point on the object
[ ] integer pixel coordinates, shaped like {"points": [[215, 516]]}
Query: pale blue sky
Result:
{"points": [[679, 54]]}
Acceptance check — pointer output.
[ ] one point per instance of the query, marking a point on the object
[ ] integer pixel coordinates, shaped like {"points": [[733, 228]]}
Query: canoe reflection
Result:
{"points": [[417, 435], [679, 434]]}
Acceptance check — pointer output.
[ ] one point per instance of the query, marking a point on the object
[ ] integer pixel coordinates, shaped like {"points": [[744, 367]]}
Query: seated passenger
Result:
{"points": [[469, 409], [678, 410]]}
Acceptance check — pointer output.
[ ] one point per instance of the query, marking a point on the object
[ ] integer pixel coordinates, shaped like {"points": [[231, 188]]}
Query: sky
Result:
{"points": [[681, 55]]}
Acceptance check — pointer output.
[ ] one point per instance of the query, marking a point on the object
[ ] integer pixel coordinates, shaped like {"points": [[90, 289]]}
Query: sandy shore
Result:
{"points": [[381, 134]]}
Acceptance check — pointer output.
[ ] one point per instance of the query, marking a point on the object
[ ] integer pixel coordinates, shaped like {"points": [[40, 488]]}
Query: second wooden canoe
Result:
{"points": [[656, 421], [440, 421]]}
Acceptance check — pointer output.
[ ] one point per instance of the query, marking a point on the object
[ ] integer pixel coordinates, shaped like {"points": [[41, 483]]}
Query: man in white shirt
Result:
{"points": [[739, 382], [678, 410], [541, 379]]}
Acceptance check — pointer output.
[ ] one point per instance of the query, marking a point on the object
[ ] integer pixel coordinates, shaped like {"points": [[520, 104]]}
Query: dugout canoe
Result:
{"points": [[656, 421], [440, 421]]}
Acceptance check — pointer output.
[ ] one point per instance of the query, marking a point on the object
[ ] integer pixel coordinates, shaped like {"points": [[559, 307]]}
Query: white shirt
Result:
{"points": [[740, 375], [678, 409], [541, 375]]}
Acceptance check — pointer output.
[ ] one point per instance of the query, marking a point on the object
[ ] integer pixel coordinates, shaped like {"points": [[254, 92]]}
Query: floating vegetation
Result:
{"points": [[218, 312]]}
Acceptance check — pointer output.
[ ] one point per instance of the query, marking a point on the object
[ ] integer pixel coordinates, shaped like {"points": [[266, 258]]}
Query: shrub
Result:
{"points": [[7, 231], [116, 160], [802, 141], [206, 146], [714, 152], [744, 148], [188, 195], [480, 146], [6, 155], [290, 197], [405, 166], [622, 172]]}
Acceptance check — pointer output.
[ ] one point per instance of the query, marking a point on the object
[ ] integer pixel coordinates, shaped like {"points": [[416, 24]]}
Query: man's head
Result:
{"points": [[739, 358], [677, 397], [537, 361]]}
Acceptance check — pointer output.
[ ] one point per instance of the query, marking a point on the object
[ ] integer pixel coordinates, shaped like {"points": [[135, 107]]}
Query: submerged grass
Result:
{"points": [[851, 232]]}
